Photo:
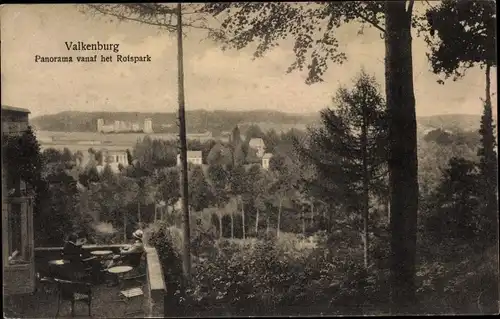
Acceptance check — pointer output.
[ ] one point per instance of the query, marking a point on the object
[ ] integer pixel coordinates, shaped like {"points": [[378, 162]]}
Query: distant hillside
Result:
{"points": [[199, 121], [451, 122]]}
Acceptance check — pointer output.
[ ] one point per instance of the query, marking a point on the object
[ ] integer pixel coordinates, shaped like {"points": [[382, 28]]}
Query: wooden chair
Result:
{"points": [[128, 295], [135, 261], [134, 282], [44, 282], [74, 292], [89, 266]]}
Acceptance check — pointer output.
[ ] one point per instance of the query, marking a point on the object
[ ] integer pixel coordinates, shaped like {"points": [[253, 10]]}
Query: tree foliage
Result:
{"points": [[155, 153], [488, 166], [253, 131], [456, 202], [89, 175], [235, 137], [335, 151], [220, 155], [58, 213], [160, 15], [461, 34], [107, 173], [200, 194], [349, 154], [168, 181], [219, 178], [239, 154], [311, 26], [22, 156]]}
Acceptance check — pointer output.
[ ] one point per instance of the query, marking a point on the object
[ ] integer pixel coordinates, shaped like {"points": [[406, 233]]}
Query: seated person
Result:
{"points": [[74, 252], [130, 251], [129, 255], [72, 249]]}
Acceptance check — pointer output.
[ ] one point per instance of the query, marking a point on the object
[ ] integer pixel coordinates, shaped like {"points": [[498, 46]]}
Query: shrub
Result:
{"points": [[273, 274], [450, 283]]}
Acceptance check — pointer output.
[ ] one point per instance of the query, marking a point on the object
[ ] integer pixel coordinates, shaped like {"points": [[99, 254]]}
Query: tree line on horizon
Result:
{"points": [[198, 121]]}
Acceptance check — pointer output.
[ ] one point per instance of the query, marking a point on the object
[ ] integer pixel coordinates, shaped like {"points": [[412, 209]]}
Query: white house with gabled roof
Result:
{"points": [[258, 145], [193, 157], [265, 160]]}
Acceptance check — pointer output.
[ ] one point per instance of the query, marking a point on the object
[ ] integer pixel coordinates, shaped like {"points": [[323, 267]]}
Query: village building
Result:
{"points": [[115, 158], [123, 126], [265, 160], [258, 145], [193, 157], [17, 216]]}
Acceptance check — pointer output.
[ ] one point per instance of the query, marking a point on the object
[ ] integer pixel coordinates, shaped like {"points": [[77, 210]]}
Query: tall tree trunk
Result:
{"points": [[488, 160], [243, 219], [388, 208], [186, 258], [488, 84], [232, 224], [312, 214], [268, 225], [364, 150], [124, 227], [403, 163], [329, 222], [139, 213], [303, 217], [257, 223], [279, 218], [220, 221]]}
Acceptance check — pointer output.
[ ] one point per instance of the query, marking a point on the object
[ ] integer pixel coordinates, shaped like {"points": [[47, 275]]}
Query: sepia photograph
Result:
{"points": [[249, 159]]}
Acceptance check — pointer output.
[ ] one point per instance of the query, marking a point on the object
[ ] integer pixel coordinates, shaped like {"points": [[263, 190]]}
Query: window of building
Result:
{"points": [[15, 238], [17, 234]]}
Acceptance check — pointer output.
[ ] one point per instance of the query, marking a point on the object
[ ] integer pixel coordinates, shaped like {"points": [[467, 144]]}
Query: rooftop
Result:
{"points": [[267, 156], [15, 109], [256, 141]]}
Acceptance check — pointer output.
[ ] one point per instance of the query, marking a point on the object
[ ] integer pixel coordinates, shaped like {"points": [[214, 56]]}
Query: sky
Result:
{"points": [[214, 80]]}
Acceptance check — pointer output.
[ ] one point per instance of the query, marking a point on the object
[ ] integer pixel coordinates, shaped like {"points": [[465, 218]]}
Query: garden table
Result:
{"points": [[120, 271], [101, 253], [59, 262]]}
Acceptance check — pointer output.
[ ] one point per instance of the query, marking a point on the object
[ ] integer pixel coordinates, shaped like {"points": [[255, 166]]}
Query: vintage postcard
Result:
{"points": [[227, 159]]}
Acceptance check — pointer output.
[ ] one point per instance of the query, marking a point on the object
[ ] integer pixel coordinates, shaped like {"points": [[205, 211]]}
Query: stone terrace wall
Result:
{"points": [[156, 288]]}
